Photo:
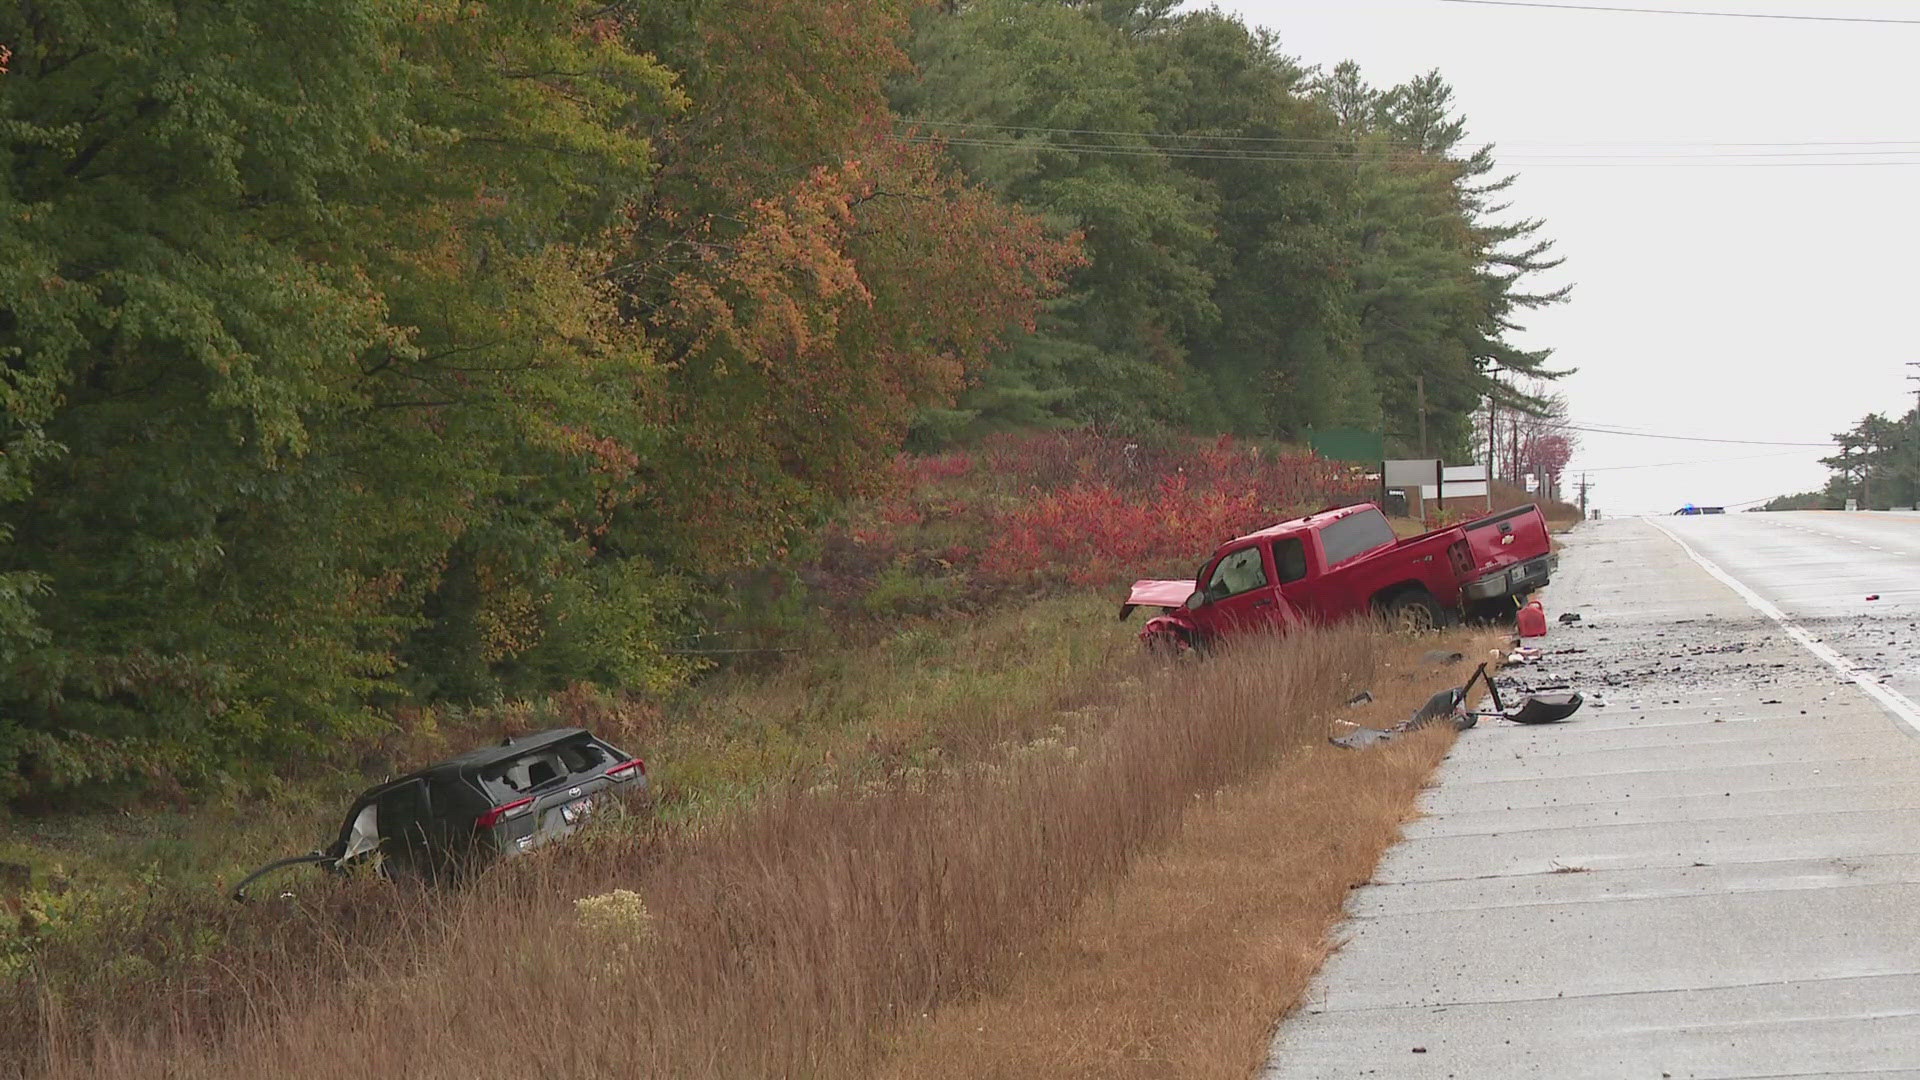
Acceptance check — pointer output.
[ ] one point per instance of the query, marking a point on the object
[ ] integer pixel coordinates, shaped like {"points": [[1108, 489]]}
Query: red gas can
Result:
{"points": [[1533, 620]]}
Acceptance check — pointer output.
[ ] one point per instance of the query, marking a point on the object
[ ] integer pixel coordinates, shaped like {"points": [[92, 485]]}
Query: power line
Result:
{"points": [[1669, 11], [1344, 141], [1688, 438], [1207, 154], [1009, 135], [1701, 461]]}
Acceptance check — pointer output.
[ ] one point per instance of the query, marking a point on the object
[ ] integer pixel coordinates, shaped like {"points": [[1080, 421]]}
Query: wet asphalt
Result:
{"points": [[1712, 870]]}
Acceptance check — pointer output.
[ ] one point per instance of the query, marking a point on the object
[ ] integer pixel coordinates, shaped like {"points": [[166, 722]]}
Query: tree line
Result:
{"points": [[1877, 468], [357, 354]]}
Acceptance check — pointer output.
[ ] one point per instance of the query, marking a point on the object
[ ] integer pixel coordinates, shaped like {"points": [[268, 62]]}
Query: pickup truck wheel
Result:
{"points": [[1415, 611]]}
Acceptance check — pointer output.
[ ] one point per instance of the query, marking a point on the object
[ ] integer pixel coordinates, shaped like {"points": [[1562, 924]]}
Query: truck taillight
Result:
{"points": [[501, 813], [627, 770]]}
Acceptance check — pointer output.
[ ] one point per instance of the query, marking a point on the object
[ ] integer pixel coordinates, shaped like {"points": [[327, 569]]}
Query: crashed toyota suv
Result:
{"points": [[455, 816]]}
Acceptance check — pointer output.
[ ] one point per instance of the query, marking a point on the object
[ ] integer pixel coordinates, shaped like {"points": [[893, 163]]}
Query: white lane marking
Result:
{"points": [[1892, 700]]}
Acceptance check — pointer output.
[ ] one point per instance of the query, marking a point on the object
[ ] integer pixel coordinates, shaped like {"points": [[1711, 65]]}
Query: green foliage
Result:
{"points": [[1806, 500], [360, 354], [1270, 249], [1878, 465], [300, 300], [899, 590]]}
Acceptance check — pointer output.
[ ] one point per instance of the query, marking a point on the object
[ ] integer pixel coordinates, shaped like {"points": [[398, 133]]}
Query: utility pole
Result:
{"points": [[1514, 464], [1584, 485], [1492, 433], [1420, 390]]}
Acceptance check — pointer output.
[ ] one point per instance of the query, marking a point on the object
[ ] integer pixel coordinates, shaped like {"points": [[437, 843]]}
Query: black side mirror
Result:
{"points": [[1197, 600]]}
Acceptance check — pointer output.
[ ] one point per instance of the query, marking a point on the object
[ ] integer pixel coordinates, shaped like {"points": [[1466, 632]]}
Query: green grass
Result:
{"points": [[930, 692]]}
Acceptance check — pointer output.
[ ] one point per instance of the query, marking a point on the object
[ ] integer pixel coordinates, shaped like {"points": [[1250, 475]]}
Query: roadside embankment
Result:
{"points": [[804, 933]]}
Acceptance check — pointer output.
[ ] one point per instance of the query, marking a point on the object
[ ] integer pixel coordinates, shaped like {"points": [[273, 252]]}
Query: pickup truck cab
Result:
{"points": [[1347, 562]]}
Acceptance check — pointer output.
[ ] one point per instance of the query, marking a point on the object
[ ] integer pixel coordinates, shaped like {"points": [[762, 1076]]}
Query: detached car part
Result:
{"points": [[1450, 705], [452, 817]]}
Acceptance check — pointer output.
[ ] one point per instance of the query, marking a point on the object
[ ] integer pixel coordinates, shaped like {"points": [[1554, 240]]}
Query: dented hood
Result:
{"points": [[1160, 593]]}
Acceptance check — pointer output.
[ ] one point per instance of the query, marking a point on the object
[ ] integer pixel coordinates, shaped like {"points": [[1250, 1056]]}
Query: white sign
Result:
{"points": [[1412, 473], [1463, 481]]}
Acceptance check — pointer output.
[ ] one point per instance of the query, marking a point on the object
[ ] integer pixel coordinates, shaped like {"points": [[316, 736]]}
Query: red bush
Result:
{"points": [[1076, 508], [1060, 509]]}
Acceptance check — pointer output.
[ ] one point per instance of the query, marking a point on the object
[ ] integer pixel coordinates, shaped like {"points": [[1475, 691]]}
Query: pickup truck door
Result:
{"points": [[1293, 569], [1241, 594]]}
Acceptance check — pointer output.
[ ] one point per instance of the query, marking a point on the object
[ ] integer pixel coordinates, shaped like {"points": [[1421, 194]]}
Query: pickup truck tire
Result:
{"points": [[1414, 611]]}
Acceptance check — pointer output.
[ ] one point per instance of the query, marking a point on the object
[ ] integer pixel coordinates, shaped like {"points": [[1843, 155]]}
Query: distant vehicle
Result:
{"points": [[1347, 562], [453, 817], [1692, 509]]}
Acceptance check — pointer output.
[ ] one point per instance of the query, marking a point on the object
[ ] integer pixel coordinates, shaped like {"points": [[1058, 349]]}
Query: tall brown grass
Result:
{"points": [[795, 938], [1182, 970]]}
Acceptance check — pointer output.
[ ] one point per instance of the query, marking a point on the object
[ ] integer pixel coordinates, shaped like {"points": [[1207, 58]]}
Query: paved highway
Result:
{"points": [[1818, 569], [1713, 871]]}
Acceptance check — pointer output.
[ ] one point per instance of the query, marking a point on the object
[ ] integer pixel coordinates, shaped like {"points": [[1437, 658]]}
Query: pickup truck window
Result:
{"points": [[1237, 573], [1290, 559], [1354, 535]]}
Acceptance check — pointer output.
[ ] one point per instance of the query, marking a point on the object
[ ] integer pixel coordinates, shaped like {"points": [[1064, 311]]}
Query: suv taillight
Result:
{"points": [[501, 813], [627, 770]]}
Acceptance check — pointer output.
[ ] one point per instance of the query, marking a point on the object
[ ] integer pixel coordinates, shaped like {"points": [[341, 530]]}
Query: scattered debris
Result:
{"points": [[1362, 698], [1569, 617], [1873, 596], [1451, 706]]}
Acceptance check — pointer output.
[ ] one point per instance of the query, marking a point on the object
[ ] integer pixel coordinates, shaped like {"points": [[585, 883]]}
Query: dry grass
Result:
{"points": [[805, 934], [1184, 968]]}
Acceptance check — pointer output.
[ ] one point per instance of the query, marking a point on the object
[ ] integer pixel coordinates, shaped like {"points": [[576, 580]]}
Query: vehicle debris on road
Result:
{"points": [[1450, 706]]}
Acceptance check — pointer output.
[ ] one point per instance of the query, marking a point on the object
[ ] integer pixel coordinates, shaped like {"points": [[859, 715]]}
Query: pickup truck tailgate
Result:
{"points": [[1512, 554], [1510, 537]]}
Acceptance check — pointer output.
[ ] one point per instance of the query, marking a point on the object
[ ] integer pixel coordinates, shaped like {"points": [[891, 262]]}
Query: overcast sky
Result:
{"points": [[1732, 299]]}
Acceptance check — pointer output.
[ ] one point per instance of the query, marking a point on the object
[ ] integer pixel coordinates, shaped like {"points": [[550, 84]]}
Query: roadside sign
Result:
{"points": [[1412, 473], [1348, 444], [1462, 482]]}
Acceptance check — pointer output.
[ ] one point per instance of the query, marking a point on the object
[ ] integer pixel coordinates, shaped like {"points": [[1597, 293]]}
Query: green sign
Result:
{"points": [[1349, 444]]}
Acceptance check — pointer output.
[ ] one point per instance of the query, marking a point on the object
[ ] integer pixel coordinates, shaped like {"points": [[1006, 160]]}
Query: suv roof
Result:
{"points": [[511, 748]]}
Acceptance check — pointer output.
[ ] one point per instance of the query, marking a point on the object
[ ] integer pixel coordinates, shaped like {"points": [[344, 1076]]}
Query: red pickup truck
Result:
{"points": [[1346, 562]]}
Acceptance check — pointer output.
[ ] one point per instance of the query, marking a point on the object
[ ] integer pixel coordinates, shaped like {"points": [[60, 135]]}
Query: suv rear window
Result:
{"points": [[1354, 535], [538, 768]]}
